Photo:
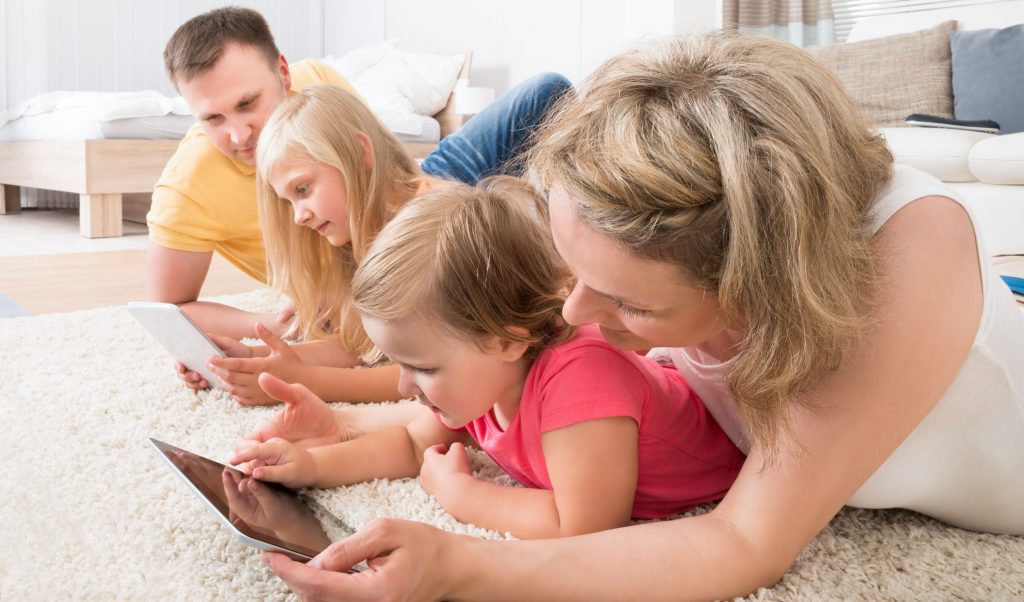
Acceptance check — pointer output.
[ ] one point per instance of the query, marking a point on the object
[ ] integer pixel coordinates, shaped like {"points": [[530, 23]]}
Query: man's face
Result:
{"points": [[233, 100]]}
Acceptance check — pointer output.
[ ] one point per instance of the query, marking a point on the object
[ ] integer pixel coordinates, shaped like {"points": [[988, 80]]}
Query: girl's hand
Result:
{"points": [[305, 420], [231, 347], [443, 472], [239, 375], [278, 461], [403, 559]]}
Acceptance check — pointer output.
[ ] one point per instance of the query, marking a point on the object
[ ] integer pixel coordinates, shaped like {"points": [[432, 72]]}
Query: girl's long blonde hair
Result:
{"points": [[322, 123], [744, 162], [472, 261]]}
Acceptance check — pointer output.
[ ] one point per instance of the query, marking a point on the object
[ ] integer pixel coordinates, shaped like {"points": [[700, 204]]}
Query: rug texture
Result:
{"points": [[89, 511]]}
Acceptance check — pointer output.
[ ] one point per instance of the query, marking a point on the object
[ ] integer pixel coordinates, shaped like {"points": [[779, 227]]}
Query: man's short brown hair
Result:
{"points": [[198, 43]]}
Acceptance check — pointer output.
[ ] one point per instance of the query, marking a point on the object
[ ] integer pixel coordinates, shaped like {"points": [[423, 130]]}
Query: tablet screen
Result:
{"points": [[266, 512]]}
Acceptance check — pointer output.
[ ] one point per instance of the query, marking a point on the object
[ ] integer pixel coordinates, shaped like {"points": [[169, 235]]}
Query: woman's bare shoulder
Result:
{"points": [[930, 303]]}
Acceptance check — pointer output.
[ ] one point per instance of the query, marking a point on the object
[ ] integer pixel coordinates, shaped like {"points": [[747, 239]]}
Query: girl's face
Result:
{"points": [[317, 193], [456, 379], [639, 303]]}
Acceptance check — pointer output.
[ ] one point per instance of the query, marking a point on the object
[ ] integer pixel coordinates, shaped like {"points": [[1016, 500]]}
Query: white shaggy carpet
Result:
{"points": [[88, 510]]}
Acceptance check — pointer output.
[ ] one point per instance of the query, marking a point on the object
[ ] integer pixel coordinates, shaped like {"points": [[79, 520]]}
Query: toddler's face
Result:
{"points": [[317, 193], [456, 379]]}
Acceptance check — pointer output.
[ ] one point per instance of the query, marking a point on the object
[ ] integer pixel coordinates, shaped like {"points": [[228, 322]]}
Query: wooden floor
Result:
{"points": [[69, 281]]}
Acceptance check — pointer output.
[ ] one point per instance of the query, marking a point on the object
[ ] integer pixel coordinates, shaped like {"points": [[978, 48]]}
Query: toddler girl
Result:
{"points": [[463, 291]]}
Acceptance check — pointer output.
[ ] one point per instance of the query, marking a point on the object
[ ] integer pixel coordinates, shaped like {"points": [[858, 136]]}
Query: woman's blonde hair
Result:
{"points": [[472, 261], [323, 123], [744, 162]]}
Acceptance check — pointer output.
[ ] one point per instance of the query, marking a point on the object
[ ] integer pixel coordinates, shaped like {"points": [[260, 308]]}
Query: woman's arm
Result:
{"points": [[593, 470], [929, 311]]}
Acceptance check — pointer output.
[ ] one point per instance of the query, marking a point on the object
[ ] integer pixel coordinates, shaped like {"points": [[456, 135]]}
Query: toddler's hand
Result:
{"points": [[278, 461], [305, 420], [443, 471]]}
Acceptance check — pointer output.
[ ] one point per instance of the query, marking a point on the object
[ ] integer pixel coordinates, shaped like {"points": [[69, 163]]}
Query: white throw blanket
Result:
{"points": [[88, 510]]}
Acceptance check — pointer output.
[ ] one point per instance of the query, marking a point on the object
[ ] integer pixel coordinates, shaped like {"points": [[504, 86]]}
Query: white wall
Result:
{"points": [[116, 45], [511, 42]]}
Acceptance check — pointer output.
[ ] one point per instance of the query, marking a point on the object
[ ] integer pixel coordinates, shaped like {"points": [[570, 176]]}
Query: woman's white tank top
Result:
{"points": [[964, 464]]}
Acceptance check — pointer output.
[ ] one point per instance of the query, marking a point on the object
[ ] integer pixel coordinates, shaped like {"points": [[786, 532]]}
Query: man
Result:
{"points": [[227, 66]]}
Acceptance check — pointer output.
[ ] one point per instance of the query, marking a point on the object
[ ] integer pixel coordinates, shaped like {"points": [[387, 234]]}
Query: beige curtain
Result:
{"points": [[801, 22]]}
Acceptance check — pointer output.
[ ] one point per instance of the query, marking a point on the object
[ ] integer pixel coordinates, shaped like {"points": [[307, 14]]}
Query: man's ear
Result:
{"points": [[284, 71], [367, 149]]}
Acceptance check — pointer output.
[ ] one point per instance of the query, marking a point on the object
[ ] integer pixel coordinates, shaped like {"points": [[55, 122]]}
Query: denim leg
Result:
{"points": [[485, 144]]}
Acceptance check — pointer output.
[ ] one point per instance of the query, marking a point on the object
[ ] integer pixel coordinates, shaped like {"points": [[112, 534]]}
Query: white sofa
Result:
{"points": [[985, 169]]}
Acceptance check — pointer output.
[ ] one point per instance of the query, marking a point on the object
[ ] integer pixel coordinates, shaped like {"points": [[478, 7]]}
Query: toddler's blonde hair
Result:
{"points": [[475, 262]]}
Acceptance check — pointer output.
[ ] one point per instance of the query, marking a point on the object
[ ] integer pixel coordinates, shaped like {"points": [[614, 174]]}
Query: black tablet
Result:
{"points": [[263, 515]]}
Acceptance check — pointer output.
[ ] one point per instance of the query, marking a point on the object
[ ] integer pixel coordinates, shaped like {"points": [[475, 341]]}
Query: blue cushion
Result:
{"points": [[988, 76]]}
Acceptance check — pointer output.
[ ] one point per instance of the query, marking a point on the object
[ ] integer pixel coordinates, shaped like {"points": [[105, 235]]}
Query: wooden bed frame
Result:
{"points": [[101, 172]]}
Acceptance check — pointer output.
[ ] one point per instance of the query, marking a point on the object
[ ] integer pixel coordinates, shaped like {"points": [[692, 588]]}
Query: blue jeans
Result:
{"points": [[487, 142]]}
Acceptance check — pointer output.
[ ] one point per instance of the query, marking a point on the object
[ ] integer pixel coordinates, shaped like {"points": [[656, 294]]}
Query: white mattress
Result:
{"points": [[80, 122]]}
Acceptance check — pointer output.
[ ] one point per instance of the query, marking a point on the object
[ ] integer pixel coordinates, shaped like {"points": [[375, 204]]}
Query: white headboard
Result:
{"points": [[978, 16]]}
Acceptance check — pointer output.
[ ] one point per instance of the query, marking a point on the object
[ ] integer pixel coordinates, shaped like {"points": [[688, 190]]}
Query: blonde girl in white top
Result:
{"points": [[721, 196]]}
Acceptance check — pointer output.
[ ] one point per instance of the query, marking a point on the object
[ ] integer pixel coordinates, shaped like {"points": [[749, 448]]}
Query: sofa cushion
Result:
{"points": [[999, 160], [988, 78], [939, 151], [895, 76]]}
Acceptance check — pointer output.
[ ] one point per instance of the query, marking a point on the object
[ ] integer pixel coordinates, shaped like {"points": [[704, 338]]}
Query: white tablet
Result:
{"points": [[275, 520], [179, 335]]}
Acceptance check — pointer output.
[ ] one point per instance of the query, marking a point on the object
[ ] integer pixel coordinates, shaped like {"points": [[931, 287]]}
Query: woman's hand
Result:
{"points": [[444, 471], [231, 348], [407, 561], [239, 375], [305, 420]]}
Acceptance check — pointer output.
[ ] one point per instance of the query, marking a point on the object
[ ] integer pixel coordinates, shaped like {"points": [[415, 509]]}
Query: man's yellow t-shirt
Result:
{"points": [[206, 201]]}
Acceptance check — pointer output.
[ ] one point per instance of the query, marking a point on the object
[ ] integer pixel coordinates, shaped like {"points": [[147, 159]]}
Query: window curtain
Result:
{"points": [[800, 22]]}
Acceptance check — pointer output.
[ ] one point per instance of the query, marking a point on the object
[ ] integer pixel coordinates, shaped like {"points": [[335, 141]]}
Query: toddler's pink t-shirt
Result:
{"points": [[684, 457]]}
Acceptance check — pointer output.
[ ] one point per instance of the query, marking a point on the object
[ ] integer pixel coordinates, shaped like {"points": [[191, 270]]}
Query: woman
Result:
{"points": [[721, 196]]}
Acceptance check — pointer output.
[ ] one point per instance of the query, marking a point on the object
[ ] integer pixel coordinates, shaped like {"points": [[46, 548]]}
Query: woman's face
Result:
{"points": [[317, 194], [639, 303]]}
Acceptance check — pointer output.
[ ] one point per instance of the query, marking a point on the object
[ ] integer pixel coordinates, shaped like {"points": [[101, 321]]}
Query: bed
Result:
{"points": [[101, 159]]}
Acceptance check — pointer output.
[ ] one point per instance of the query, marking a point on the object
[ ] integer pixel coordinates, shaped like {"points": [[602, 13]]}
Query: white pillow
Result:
{"points": [[999, 159], [399, 81], [941, 152], [351, 64]]}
